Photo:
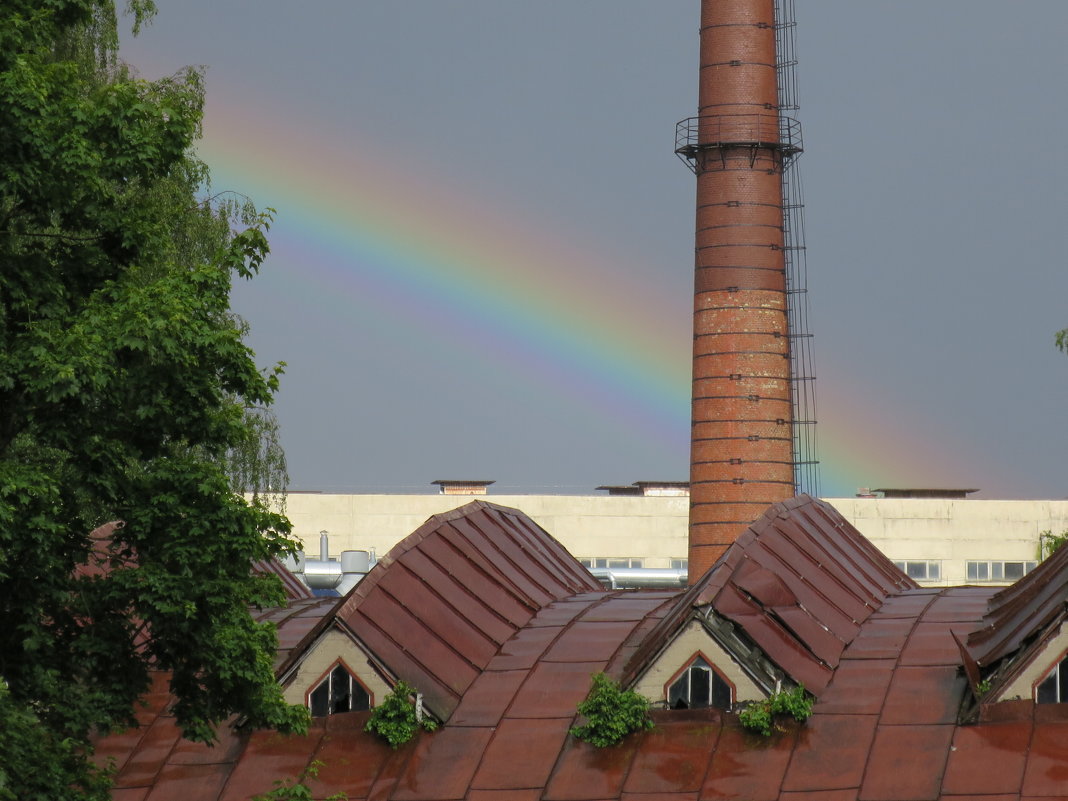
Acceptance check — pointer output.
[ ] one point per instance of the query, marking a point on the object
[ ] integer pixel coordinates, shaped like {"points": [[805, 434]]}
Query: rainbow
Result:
{"points": [[378, 238]]}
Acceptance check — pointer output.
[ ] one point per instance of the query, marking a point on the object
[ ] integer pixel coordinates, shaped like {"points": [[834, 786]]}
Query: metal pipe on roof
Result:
{"points": [[629, 578], [327, 574]]}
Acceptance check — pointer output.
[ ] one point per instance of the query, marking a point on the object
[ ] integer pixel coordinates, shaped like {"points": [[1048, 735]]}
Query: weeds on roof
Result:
{"points": [[288, 790], [397, 719], [611, 713], [760, 716]]}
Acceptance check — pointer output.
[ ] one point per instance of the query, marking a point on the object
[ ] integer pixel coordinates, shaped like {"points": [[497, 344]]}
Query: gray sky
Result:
{"points": [[479, 214]]}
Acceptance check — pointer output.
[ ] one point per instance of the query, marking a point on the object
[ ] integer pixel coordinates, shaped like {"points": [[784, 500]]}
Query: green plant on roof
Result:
{"points": [[1049, 543], [289, 790], [397, 719], [611, 713], [760, 716]]}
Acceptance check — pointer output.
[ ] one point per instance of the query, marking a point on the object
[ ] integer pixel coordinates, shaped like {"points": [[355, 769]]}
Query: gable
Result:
{"points": [[797, 586], [333, 647], [1022, 682], [694, 641]]}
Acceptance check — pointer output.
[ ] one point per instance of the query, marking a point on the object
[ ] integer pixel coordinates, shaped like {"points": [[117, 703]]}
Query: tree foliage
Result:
{"points": [[126, 392]]}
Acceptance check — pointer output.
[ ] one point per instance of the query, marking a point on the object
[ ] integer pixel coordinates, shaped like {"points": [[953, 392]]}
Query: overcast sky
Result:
{"points": [[483, 247]]}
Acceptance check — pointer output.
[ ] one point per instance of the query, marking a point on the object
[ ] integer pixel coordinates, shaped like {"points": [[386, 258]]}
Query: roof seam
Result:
{"points": [[419, 663], [498, 580], [432, 634], [457, 611], [504, 555]]}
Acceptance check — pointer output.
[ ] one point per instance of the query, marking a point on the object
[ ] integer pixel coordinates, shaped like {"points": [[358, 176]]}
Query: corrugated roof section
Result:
{"points": [[1019, 613], [441, 603], [799, 582], [884, 728]]}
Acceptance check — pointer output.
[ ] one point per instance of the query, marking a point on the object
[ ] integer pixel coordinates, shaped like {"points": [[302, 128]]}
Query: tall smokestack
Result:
{"points": [[741, 457]]}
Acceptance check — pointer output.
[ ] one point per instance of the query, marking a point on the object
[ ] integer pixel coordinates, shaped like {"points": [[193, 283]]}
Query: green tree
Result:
{"points": [[126, 393]]}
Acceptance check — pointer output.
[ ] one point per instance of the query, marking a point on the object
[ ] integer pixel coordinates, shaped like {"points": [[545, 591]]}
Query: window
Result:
{"points": [[680, 564], [1054, 688], [921, 570], [610, 562], [339, 691], [999, 571], [698, 687]]}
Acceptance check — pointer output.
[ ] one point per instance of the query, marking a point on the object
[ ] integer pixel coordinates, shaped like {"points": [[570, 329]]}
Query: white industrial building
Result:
{"points": [[939, 541]]}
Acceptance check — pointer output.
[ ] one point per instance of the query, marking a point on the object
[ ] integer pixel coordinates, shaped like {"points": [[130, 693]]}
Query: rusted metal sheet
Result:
{"points": [[889, 703], [1020, 612], [800, 582], [294, 587], [437, 608], [297, 625]]}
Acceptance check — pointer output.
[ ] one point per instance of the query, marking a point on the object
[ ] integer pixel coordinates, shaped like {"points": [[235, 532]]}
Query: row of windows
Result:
{"points": [[931, 569], [607, 562], [611, 562], [999, 571], [699, 686], [920, 569]]}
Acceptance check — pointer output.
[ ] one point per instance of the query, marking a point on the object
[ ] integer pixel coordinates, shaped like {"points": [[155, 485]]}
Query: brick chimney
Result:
{"points": [[741, 458]]}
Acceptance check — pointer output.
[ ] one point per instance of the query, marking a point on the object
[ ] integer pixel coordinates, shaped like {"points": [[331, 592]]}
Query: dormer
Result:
{"points": [[776, 611], [335, 673], [695, 671]]}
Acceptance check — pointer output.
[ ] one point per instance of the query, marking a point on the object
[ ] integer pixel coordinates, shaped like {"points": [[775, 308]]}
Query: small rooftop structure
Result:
{"points": [[650, 489], [468, 486], [923, 492]]}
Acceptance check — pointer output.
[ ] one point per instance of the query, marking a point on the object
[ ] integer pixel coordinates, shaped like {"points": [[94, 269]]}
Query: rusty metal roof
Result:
{"points": [[297, 624], [1020, 612], [444, 600], [294, 587], [799, 582], [884, 726]]}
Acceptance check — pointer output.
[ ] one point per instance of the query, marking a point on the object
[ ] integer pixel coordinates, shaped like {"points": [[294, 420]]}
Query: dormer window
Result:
{"points": [[339, 691], [1054, 688], [700, 686]]}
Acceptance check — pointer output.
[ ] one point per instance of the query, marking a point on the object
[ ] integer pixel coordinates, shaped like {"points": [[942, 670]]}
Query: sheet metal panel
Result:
{"points": [[437, 608], [1019, 613], [475, 608], [436, 613]]}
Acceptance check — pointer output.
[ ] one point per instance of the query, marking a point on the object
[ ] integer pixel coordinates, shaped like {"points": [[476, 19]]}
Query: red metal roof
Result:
{"points": [[884, 727], [294, 587], [799, 582], [1019, 613], [297, 624], [444, 600]]}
